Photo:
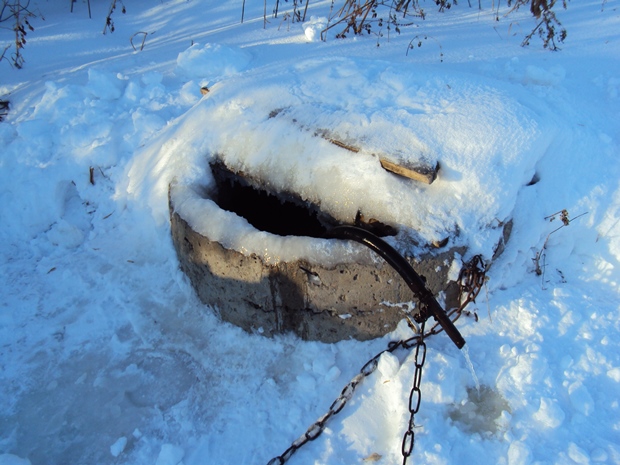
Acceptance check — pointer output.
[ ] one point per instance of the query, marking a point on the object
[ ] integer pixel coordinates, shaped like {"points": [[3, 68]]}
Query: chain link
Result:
{"points": [[471, 279]]}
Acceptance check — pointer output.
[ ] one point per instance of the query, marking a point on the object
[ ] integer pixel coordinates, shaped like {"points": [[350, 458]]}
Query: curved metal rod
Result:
{"points": [[430, 306]]}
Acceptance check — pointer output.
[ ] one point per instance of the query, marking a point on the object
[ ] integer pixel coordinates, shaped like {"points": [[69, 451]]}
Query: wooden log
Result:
{"points": [[416, 171], [422, 173]]}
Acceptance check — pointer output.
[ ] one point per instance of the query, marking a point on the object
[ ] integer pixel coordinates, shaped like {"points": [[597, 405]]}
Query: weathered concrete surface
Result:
{"points": [[327, 304]]}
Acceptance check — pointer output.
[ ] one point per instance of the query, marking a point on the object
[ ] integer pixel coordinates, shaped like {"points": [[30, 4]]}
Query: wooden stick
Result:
{"points": [[425, 174]]}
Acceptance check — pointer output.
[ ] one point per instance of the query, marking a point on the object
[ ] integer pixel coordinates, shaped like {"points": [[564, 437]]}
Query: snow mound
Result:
{"points": [[313, 28], [486, 137]]}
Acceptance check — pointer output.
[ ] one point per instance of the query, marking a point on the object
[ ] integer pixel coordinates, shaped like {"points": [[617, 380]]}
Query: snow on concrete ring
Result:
{"points": [[320, 289]]}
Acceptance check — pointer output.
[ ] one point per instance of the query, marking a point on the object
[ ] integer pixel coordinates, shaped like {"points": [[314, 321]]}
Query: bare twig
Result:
{"points": [[109, 24], [540, 255], [144, 34], [18, 12], [413, 44], [369, 16]]}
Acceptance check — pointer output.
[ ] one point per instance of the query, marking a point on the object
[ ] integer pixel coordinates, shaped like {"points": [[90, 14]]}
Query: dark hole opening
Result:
{"points": [[284, 215]]}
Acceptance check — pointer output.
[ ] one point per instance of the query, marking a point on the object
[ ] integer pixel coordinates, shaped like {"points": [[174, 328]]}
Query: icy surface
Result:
{"points": [[106, 354]]}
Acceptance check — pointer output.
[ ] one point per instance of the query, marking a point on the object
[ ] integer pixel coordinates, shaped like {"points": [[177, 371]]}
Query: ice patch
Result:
{"points": [[96, 413], [481, 412]]}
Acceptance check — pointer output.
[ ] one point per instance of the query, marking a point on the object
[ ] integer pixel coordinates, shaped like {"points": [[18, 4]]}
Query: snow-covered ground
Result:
{"points": [[106, 354]]}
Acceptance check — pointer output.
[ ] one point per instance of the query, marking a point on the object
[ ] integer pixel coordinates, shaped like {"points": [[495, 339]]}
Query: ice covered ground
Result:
{"points": [[106, 356]]}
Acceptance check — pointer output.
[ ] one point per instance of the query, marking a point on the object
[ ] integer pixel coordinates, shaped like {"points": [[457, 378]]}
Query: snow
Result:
{"points": [[118, 446], [106, 354]]}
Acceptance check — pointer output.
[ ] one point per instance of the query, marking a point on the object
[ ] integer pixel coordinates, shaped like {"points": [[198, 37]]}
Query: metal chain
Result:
{"points": [[415, 396], [471, 280], [315, 430], [318, 426]]}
